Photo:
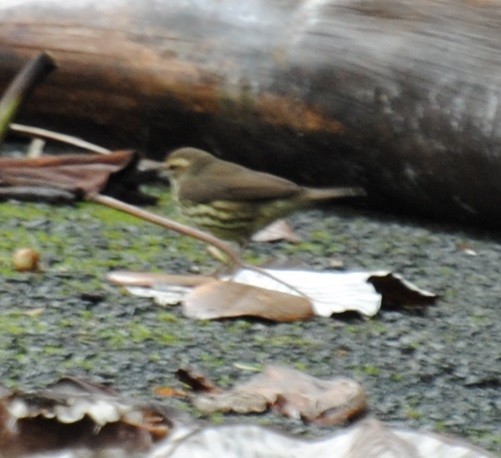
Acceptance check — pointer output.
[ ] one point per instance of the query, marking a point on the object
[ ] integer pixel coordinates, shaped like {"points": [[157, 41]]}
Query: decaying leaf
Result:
{"points": [[74, 175], [327, 293], [79, 414], [288, 392], [79, 419], [278, 230], [197, 381], [153, 279], [228, 299], [338, 292], [396, 291], [169, 392], [366, 439]]}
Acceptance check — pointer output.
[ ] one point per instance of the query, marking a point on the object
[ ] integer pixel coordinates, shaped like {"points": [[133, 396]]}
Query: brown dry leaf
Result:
{"points": [[77, 174], [338, 292], [197, 381], [153, 279], [299, 395], [79, 414], [276, 231], [225, 299], [291, 393], [239, 402], [77, 419], [328, 292], [395, 291], [169, 392]]}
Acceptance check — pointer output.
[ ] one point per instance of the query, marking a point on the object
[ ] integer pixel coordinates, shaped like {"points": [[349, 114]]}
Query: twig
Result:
{"points": [[56, 136], [188, 231], [19, 89], [168, 224]]}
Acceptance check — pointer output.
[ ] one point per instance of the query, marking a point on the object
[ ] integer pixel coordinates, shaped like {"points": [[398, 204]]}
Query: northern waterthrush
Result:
{"points": [[233, 202]]}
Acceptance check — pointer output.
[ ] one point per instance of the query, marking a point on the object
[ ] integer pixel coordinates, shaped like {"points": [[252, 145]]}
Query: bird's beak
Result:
{"points": [[148, 164], [156, 168]]}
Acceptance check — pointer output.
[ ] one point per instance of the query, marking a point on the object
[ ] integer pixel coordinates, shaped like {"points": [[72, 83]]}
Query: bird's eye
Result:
{"points": [[177, 164]]}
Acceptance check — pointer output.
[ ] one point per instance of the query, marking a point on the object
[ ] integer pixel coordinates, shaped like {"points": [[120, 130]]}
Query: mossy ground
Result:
{"points": [[434, 369]]}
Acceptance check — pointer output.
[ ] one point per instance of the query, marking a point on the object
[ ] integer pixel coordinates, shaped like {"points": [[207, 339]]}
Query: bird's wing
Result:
{"points": [[239, 183]]}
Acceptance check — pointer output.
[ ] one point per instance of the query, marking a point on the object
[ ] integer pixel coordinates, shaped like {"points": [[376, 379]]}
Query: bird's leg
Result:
{"points": [[226, 263]]}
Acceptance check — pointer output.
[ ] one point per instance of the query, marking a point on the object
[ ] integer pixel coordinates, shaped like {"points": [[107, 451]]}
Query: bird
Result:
{"points": [[232, 201]]}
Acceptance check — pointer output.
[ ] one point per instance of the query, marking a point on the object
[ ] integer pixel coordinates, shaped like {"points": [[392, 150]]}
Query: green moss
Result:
{"points": [[11, 327], [447, 272], [371, 370], [397, 378], [50, 350], [167, 317], [492, 439], [139, 332], [239, 326], [377, 327], [217, 418], [413, 414], [212, 360], [285, 340], [301, 366], [154, 358], [16, 322], [121, 239], [79, 362], [354, 329], [113, 338], [311, 246]]}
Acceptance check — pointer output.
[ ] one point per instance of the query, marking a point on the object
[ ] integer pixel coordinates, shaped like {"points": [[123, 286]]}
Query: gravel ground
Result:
{"points": [[436, 369]]}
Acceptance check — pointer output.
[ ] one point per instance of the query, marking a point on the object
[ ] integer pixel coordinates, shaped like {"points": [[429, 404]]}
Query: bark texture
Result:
{"points": [[401, 96]]}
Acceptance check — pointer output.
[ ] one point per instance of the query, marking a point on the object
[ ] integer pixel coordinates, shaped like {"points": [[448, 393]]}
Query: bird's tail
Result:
{"points": [[312, 194]]}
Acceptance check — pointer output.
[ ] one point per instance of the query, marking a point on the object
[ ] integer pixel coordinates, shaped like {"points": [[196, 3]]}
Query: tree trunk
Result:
{"points": [[401, 96]]}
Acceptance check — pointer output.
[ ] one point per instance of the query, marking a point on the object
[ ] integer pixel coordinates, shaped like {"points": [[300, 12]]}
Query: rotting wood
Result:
{"points": [[400, 96]]}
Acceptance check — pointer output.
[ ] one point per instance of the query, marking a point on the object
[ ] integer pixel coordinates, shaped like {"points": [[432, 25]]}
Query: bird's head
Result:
{"points": [[185, 160]]}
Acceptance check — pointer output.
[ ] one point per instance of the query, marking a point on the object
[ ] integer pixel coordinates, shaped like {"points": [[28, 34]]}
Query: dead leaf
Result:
{"points": [[299, 395], [366, 439], [77, 418], [276, 231], [225, 299], [395, 291], [81, 175], [328, 293], [169, 392], [79, 414], [152, 279], [290, 393], [197, 381], [338, 292]]}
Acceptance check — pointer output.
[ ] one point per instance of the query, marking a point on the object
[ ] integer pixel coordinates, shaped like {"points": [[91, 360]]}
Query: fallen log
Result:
{"points": [[401, 96]]}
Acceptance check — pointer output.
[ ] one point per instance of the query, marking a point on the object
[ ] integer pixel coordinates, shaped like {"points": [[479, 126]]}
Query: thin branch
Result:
{"points": [[56, 136], [20, 88], [168, 224], [188, 231]]}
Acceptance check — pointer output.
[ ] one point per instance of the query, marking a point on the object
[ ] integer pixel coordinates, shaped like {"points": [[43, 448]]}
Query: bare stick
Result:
{"points": [[20, 88], [188, 231], [168, 224], [56, 136]]}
